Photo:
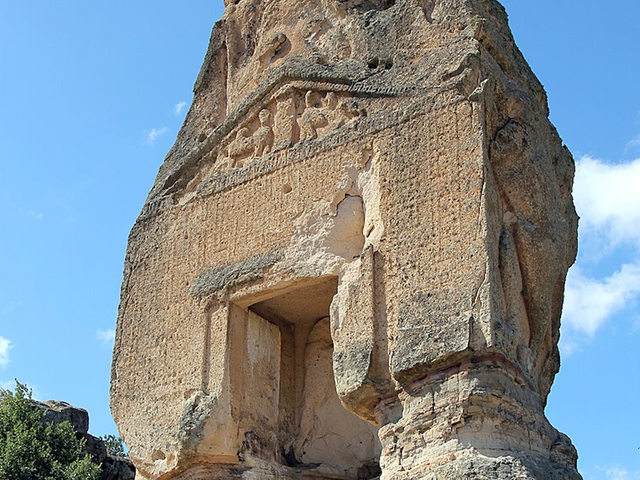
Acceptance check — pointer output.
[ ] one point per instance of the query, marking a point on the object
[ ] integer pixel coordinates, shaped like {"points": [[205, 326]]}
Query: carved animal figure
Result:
{"points": [[242, 145], [247, 145]]}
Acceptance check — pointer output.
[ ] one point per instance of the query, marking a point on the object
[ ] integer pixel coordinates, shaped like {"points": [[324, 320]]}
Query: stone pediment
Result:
{"points": [[298, 103]]}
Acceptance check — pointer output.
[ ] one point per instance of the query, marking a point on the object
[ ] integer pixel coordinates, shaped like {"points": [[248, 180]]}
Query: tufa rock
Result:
{"points": [[352, 261]]}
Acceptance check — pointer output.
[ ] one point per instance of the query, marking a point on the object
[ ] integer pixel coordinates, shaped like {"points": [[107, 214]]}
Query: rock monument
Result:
{"points": [[351, 264]]}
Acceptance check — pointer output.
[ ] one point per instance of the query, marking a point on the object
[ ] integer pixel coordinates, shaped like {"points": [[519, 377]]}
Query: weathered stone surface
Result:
{"points": [[387, 164], [57, 412]]}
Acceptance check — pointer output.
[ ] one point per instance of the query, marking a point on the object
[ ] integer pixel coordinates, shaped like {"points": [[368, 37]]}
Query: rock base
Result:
{"points": [[269, 472], [473, 420]]}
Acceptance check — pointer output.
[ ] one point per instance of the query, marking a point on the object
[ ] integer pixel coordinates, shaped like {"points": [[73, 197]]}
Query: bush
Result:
{"points": [[32, 449]]}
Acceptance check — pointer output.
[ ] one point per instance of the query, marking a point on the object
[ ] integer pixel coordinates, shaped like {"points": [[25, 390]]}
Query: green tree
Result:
{"points": [[32, 449], [115, 445]]}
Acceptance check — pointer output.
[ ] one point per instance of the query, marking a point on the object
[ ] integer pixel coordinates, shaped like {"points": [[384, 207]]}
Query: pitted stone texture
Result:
{"points": [[389, 164]]}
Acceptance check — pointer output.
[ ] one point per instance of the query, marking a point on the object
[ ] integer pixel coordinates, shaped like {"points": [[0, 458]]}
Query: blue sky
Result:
{"points": [[92, 95]]}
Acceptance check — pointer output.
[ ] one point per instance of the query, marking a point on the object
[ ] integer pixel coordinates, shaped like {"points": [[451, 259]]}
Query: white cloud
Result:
{"points": [[617, 473], [106, 336], [5, 346], [633, 144], [568, 346], [607, 199], [30, 214], [620, 473], [589, 302], [153, 134], [179, 107], [9, 308]]}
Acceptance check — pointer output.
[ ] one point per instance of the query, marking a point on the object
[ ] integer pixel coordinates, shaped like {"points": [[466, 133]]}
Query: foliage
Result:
{"points": [[115, 445], [32, 449]]}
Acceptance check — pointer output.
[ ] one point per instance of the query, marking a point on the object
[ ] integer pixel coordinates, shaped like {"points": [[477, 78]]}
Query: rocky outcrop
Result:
{"points": [[112, 467], [57, 412], [388, 165]]}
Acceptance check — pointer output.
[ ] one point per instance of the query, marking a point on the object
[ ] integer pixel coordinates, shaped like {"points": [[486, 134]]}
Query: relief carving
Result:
{"points": [[313, 117], [242, 145], [301, 262], [325, 114], [264, 135], [297, 117], [249, 146], [286, 128], [275, 47]]}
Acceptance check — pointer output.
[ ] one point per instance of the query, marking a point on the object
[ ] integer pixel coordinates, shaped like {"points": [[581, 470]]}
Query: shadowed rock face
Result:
{"points": [[388, 165]]}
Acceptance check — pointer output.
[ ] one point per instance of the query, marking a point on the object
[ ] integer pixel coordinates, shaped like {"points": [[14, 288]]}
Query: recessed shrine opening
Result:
{"points": [[288, 372]]}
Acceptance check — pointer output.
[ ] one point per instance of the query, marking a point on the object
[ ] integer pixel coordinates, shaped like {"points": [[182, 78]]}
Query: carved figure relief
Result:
{"points": [[247, 145], [264, 135], [313, 118], [275, 47], [297, 117], [242, 145], [321, 264], [286, 130]]}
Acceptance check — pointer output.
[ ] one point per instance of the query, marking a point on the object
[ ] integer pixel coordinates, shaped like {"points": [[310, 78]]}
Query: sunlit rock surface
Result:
{"points": [[352, 262]]}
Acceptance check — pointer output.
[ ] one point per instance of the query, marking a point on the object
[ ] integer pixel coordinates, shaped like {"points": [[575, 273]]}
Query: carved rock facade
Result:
{"points": [[352, 262]]}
